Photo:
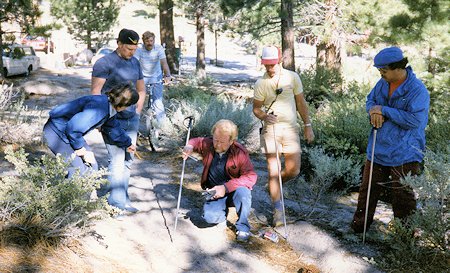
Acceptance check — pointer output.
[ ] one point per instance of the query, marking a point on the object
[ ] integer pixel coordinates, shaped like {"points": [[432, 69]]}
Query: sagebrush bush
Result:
{"points": [[422, 245], [183, 92], [206, 113], [7, 94], [320, 84], [342, 127], [332, 172], [19, 124], [224, 107], [40, 190], [328, 175]]}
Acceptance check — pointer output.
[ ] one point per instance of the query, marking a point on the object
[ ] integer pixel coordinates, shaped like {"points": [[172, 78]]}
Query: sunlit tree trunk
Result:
{"points": [[1, 52], [200, 63], [167, 33], [330, 49], [287, 34]]}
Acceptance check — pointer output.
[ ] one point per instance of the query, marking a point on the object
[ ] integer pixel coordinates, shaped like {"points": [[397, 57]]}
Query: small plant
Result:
{"points": [[19, 124], [329, 175], [205, 114], [7, 94], [422, 243], [41, 195], [320, 84], [224, 107], [342, 127]]}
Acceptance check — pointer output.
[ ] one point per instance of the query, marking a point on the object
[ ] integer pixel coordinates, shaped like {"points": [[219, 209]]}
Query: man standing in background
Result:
{"points": [[152, 58], [278, 97], [398, 110], [120, 67]]}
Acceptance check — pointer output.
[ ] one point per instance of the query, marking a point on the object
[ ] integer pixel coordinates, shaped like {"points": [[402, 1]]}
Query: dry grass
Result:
{"points": [[25, 247]]}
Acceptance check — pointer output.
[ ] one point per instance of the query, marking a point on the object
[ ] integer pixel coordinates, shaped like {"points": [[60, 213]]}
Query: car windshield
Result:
{"points": [[37, 38]]}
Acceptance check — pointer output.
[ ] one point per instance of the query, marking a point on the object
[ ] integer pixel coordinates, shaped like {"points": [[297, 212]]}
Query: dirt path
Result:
{"points": [[146, 241]]}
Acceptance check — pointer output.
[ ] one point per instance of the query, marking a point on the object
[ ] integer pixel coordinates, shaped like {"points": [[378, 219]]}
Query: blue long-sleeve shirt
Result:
{"points": [[72, 120], [401, 139]]}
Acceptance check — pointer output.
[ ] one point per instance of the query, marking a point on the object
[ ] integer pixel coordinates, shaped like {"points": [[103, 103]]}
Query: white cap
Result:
{"points": [[270, 55]]}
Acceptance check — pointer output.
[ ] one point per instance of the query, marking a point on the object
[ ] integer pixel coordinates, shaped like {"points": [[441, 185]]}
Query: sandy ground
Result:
{"points": [[147, 242]]}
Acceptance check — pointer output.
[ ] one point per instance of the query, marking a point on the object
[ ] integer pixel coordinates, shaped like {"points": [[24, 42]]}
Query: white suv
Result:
{"points": [[19, 59]]}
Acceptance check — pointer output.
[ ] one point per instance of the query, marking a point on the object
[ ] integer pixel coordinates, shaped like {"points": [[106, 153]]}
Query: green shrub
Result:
{"points": [[332, 172], [224, 107], [186, 92], [342, 127], [40, 190], [329, 175], [422, 244], [437, 133], [19, 123], [320, 84], [205, 114]]}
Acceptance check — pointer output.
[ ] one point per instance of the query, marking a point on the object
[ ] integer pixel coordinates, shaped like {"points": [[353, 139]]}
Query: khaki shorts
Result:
{"points": [[288, 139]]}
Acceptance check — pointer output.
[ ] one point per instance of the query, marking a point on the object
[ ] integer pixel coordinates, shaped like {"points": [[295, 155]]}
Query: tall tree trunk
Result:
{"points": [[167, 33], [1, 53], [287, 34], [88, 40], [431, 67], [200, 63], [330, 49]]}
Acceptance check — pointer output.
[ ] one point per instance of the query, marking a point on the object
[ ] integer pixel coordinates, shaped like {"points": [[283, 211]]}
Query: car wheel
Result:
{"points": [[30, 68], [5, 72]]}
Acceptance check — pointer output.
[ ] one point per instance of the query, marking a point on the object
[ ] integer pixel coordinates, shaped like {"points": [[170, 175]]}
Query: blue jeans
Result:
{"points": [[157, 97], [58, 146], [119, 167], [215, 211]]}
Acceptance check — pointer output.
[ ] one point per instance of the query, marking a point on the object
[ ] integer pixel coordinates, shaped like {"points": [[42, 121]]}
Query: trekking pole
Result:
{"points": [[370, 184], [280, 181], [190, 119]]}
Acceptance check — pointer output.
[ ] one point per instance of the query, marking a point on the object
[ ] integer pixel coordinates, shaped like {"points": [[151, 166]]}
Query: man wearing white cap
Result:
{"points": [[398, 109], [277, 98]]}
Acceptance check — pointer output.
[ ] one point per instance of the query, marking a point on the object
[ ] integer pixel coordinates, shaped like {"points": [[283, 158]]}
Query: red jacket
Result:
{"points": [[238, 166]]}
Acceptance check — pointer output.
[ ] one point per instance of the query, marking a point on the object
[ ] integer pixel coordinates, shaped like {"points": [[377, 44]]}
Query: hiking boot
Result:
{"points": [[242, 236], [277, 218]]}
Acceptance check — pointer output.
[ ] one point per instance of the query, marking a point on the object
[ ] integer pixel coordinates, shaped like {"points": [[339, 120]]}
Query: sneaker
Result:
{"points": [[242, 236], [131, 209], [277, 218]]}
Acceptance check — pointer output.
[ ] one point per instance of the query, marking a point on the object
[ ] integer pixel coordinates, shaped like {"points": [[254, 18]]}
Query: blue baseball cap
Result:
{"points": [[387, 56]]}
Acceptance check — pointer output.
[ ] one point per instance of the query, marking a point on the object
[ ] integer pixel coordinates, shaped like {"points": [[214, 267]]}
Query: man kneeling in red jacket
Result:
{"points": [[228, 175]]}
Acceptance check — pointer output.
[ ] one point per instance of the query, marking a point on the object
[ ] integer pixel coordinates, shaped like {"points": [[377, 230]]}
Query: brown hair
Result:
{"points": [[147, 35], [123, 95]]}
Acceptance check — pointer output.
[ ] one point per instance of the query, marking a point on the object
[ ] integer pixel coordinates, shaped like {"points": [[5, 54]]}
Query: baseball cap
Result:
{"points": [[128, 36], [387, 56], [270, 55]]}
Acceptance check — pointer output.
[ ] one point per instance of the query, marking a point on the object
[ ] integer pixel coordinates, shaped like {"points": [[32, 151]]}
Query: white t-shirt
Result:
{"points": [[151, 62]]}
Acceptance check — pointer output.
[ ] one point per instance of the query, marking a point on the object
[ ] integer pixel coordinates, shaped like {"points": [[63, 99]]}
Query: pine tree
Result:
{"points": [[88, 21]]}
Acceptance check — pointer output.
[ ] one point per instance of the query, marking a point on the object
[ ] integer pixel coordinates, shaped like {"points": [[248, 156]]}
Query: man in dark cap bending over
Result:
{"points": [[115, 68], [398, 109]]}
